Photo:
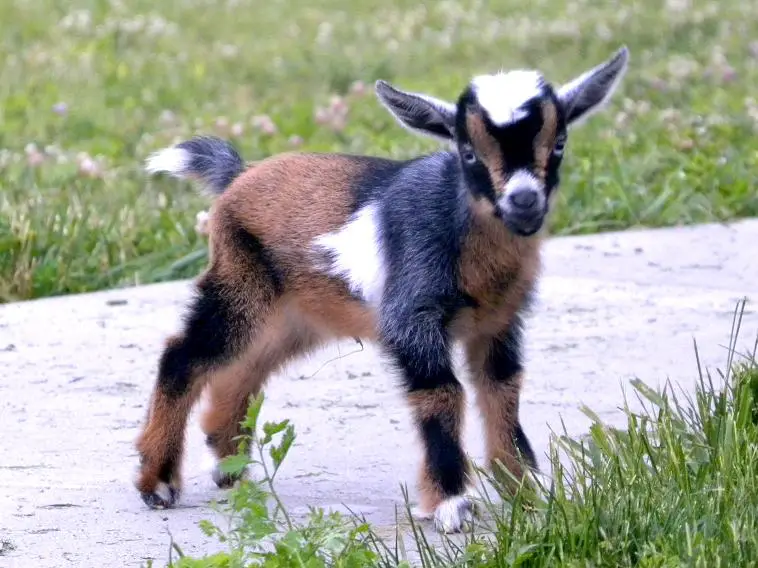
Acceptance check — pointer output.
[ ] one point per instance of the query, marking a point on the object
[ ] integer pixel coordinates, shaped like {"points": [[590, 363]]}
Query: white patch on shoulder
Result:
{"points": [[356, 254], [504, 94], [171, 160]]}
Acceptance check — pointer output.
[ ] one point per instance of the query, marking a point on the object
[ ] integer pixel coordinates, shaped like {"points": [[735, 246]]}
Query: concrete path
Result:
{"points": [[75, 374]]}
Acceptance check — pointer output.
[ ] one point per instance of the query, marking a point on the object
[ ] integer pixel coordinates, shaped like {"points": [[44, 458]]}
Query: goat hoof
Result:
{"points": [[420, 514], [163, 497], [224, 480], [454, 515]]}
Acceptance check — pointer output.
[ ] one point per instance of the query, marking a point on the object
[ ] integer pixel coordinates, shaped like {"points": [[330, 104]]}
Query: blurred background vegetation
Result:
{"points": [[89, 88]]}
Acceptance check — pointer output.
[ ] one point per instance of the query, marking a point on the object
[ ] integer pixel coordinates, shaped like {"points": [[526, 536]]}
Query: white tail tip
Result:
{"points": [[170, 160]]}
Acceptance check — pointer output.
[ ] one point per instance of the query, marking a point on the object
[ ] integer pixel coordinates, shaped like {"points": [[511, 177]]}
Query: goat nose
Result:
{"points": [[523, 198]]}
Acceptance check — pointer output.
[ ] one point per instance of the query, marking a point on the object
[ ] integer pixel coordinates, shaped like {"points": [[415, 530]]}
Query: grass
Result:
{"points": [[89, 87], [676, 487]]}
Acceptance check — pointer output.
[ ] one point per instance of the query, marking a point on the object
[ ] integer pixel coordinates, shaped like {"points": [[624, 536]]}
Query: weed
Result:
{"points": [[260, 534]]}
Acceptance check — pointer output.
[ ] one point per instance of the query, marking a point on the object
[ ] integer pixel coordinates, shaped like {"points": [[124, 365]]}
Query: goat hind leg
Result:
{"points": [[230, 394], [215, 332], [280, 340]]}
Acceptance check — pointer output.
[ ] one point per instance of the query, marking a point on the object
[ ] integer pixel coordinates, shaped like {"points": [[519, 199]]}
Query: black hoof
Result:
{"points": [[224, 480], [163, 497]]}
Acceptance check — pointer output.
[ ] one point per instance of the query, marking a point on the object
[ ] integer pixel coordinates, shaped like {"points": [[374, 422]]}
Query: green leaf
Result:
{"points": [[279, 453], [208, 528], [235, 464], [253, 413], [271, 429]]}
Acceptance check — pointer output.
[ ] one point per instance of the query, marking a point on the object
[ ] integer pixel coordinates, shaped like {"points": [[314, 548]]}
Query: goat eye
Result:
{"points": [[468, 156], [560, 144]]}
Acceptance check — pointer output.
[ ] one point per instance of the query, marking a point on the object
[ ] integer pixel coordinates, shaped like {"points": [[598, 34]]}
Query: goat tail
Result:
{"points": [[210, 160]]}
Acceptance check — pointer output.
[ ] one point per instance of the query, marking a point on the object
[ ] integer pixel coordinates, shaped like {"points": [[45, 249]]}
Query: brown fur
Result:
{"points": [[447, 404], [497, 270], [282, 337], [429, 493], [287, 201], [266, 298], [488, 148], [267, 201], [438, 403], [162, 439], [498, 401], [545, 140]]}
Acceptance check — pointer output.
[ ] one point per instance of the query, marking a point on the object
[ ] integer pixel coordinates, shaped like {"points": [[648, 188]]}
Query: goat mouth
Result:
{"points": [[528, 231], [523, 225]]}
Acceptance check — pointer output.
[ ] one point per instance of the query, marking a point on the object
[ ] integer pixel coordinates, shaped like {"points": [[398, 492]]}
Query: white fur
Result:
{"points": [[171, 160], [503, 95], [163, 491], [522, 179], [454, 514], [467, 500], [358, 256], [420, 515]]}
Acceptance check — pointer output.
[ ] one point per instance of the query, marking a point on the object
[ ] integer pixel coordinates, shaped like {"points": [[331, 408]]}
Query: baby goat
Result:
{"points": [[414, 255]]}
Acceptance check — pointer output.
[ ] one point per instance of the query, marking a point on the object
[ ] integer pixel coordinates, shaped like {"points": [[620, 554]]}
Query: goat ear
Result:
{"points": [[591, 90], [419, 113]]}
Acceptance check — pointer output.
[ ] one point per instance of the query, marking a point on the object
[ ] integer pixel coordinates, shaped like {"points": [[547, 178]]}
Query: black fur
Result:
{"points": [[595, 87], [213, 330], [423, 219], [552, 175], [260, 258], [375, 175], [445, 457], [523, 445], [421, 254], [216, 162], [167, 469], [505, 358], [418, 113], [516, 143], [504, 362]]}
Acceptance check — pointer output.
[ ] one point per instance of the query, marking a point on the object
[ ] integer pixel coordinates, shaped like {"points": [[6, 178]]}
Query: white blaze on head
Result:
{"points": [[503, 95]]}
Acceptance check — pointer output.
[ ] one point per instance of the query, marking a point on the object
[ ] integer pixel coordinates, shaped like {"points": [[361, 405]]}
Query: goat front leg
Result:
{"points": [[497, 371], [437, 401]]}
